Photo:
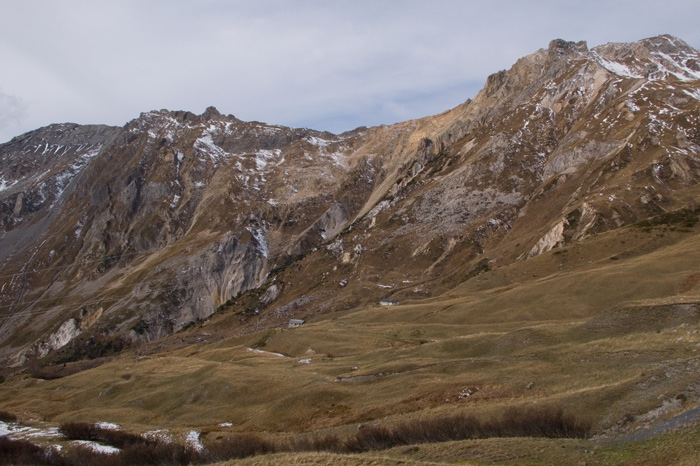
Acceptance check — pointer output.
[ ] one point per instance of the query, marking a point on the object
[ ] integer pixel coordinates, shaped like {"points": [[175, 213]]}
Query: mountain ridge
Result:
{"points": [[162, 222]]}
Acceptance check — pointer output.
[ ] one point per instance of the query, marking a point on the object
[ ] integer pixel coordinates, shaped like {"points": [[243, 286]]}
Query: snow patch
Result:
{"points": [[107, 425], [253, 350], [194, 441], [97, 447], [6, 429], [4, 184], [695, 94], [206, 144], [264, 157], [315, 141]]}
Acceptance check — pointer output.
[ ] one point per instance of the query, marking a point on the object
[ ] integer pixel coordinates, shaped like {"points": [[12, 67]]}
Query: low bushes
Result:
{"points": [[135, 450], [239, 446], [97, 433], [7, 417], [21, 452], [532, 422]]}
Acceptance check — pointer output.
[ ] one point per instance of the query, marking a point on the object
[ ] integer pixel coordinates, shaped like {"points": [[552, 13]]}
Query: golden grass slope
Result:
{"points": [[611, 337]]}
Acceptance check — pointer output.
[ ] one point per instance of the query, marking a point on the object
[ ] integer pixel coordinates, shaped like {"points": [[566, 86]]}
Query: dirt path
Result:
{"points": [[684, 419]]}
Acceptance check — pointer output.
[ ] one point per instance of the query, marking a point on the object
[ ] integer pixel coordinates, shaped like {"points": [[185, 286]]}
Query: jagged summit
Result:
{"points": [[653, 58]]}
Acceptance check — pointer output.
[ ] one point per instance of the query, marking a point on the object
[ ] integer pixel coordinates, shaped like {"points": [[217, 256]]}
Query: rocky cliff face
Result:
{"points": [[132, 233]]}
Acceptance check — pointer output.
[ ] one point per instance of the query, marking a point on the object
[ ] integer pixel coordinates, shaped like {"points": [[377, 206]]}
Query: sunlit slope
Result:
{"points": [[612, 338]]}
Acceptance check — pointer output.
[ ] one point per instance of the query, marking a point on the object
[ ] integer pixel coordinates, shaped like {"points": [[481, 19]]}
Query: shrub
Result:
{"points": [[7, 417], [239, 446], [95, 433], [327, 442], [545, 421], [21, 452], [158, 453]]}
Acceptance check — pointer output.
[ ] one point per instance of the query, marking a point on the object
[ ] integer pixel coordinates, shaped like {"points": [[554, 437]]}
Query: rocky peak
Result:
{"points": [[654, 58], [561, 48]]}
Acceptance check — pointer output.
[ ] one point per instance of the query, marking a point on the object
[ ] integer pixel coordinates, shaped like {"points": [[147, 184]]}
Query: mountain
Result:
{"points": [[115, 237], [523, 265]]}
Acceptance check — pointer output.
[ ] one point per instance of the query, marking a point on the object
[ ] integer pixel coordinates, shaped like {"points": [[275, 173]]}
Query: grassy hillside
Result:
{"points": [[609, 337]]}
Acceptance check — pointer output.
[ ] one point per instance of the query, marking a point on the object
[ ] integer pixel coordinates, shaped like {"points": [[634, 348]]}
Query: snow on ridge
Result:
{"points": [[617, 68], [695, 94], [206, 144], [685, 74], [322, 144], [665, 64], [66, 176], [263, 157], [316, 141], [5, 184]]}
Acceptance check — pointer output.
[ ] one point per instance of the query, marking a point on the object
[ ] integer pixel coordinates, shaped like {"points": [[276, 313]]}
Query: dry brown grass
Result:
{"points": [[605, 338]]}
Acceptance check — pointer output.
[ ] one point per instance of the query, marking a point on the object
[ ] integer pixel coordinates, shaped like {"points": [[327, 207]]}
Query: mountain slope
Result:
{"points": [[124, 235]]}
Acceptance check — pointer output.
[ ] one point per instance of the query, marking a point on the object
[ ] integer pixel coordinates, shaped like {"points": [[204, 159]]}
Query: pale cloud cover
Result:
{"points": [[324, 64]]}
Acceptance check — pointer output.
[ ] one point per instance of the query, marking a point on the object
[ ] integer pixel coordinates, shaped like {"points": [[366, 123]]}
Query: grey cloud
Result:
{"points": [[12, 111], [328, 65]]}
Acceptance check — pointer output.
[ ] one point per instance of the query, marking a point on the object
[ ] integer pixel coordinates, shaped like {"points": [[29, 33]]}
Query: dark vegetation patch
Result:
{"points": [[239, 446], [96, 433], [684, 218], [44, 369], [21, 452], [547, 422], [638, 319], [7, 417], [89, 347]]}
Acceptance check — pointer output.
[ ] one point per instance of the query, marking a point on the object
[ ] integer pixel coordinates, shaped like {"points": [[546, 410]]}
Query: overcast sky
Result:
{"points": [[324, 64]]}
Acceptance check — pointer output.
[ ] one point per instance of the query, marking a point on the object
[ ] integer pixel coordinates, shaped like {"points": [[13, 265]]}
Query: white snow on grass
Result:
{"points": [[51, 432], [265, 352], [108, 425], [98, 447], [16, 430], [194, 441], [304, 361], [163, 435], [6, 429]]}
